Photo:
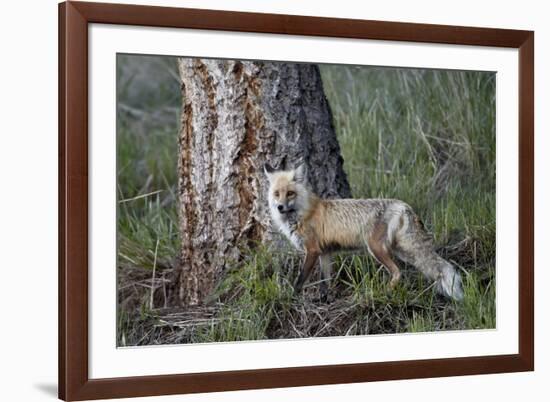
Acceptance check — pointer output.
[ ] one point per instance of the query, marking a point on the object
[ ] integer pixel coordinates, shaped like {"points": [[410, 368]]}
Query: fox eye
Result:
{"points": [[291, 194], [276, 193]]}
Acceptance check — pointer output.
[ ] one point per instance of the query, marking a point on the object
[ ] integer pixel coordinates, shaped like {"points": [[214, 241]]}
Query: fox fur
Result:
{"points": [[387, 228]]}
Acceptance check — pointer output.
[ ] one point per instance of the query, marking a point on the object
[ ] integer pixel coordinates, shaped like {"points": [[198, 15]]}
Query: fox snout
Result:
{"points": [[284, 208]]}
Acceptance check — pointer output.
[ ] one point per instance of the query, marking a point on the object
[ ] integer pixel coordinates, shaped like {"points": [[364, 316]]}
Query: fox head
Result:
{"points": [[288, 191]]}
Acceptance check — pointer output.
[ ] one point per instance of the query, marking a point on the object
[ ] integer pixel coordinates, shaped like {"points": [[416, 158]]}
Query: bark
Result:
{"points": [[235, 117]]}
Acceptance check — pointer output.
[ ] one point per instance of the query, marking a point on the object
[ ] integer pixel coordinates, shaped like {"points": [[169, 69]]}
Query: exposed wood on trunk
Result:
{"points": [[235, 117]]}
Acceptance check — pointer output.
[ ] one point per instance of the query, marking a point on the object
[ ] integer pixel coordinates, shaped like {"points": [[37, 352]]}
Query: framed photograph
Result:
{"points": [[260, 200]]}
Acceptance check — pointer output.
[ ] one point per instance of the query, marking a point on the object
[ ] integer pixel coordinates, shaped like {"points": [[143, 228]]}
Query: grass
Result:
{"points": [[146, 161], [426, 137]]}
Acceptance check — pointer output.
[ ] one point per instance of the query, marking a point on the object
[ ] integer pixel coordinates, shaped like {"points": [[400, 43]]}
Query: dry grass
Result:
{"points": [[255, 301]]}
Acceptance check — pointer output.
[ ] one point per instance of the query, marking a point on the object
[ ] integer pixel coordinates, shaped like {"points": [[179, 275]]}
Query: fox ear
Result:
{"points": [[268, 170], [300, 174]]}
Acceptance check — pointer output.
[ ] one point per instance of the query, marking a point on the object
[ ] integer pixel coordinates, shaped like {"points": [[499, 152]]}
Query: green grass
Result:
{"points": [[147, 119], [253, 295], [426, 137]]}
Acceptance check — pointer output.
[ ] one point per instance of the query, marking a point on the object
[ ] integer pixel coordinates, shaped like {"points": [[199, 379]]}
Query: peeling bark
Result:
{"points": [[235, 117]]}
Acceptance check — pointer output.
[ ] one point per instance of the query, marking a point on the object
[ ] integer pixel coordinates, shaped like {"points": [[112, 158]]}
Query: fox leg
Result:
{"points": [[326, 268], [379, 249], [383, 256], [307, 268]]}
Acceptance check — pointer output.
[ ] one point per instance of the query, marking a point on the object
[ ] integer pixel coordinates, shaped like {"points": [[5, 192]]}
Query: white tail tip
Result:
{"points": [[450, 283]]}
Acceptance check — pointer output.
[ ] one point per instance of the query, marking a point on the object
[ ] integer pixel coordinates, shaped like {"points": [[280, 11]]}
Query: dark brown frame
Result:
{"points": [[74, 18]]}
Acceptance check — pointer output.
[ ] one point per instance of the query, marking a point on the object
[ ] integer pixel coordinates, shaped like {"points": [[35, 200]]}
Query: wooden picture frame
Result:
{"points": [[74, 381]]}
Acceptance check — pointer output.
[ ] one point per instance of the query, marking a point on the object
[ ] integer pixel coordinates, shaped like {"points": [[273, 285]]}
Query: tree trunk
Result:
{"points": [[235, 117]]}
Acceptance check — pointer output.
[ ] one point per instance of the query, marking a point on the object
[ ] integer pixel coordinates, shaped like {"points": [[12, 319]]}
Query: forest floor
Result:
{"points": [[426, 137]]}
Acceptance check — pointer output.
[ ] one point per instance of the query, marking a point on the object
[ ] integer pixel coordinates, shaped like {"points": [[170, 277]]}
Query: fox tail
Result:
{"points": [[415, 247], [449, 282]]}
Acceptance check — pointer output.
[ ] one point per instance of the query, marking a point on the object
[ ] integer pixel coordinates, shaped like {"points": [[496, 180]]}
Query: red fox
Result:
{"points": [[387, 228]]}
